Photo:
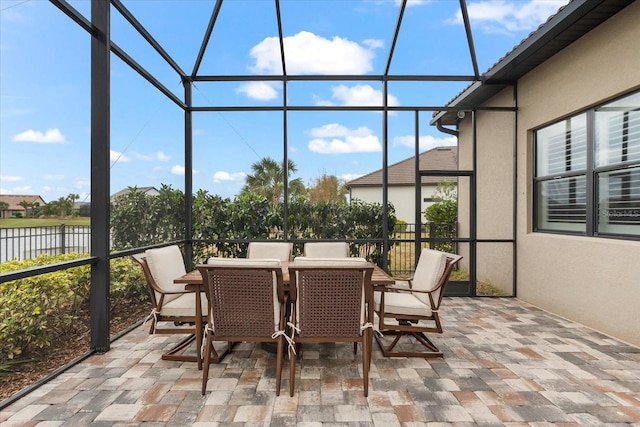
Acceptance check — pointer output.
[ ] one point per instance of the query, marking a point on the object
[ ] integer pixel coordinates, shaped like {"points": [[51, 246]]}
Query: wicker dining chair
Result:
{"points": [[247, 300], [330, 302], [174, 307], [410, 307]]}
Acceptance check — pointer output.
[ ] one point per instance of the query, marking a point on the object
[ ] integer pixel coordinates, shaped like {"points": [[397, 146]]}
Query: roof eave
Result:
{"points": [[541, 45]]}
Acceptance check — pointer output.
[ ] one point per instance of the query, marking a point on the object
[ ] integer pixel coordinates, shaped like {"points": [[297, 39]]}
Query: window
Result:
{"points": [[587, 172]]}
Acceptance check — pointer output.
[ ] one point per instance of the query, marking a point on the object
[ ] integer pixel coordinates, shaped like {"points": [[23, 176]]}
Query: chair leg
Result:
{"points": [[207, 360], [292, 371], [388, 350], [279, 358], [366, 360]]}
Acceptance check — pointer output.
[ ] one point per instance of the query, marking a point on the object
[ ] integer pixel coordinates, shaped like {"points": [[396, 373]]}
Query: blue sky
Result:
{"points": [[45, 104]]}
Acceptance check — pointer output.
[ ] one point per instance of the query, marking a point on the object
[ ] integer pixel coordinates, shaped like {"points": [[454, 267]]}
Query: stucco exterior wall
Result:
{"points": [[495, 160], [594, 281], [401, 197]]}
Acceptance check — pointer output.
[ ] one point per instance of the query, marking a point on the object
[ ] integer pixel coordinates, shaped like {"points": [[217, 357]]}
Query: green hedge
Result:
{"points": [[139, 219], [36, 310]]}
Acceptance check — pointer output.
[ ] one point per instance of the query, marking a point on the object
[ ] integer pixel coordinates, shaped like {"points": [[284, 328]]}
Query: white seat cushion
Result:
{"points": [[184, 305], [401, 303], [166, 265]]}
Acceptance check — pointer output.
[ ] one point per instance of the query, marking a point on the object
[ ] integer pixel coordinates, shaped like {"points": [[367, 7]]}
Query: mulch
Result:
{"points": [[67, 348]]}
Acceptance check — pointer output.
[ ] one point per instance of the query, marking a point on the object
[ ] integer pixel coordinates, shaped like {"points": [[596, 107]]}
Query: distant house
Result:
{"points": [[14, 208], [151, 191], [401, 182], [82, 208]]}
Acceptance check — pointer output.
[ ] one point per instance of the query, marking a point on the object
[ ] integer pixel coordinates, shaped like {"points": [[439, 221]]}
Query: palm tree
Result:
{"points": [[26, 205], [267, 180], [3, 207]]}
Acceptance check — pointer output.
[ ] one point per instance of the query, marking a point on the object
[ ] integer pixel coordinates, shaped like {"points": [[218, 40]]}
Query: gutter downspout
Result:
{"points": [[443, 129]]}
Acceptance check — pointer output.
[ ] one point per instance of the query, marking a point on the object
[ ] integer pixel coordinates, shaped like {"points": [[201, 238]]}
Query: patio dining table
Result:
{"points": [[193, 282]]}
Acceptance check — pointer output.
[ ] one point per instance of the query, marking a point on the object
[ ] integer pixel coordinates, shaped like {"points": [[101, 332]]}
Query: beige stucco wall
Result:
{"points": [[495, 159], [594, 281], [401, 197]]}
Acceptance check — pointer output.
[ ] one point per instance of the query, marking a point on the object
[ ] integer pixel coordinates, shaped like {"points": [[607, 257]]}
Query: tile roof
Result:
{"points": [[403, 173], [14, 200]]}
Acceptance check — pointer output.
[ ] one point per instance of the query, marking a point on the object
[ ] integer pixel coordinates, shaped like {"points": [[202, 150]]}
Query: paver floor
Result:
{"points": [[505, 363]]}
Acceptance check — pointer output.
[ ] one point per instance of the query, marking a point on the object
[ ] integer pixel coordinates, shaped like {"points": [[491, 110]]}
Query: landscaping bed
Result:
{"points": [[74, 343]]}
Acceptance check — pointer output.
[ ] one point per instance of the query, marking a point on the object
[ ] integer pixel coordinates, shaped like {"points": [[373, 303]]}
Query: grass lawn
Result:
{"points": [[42, 222]]}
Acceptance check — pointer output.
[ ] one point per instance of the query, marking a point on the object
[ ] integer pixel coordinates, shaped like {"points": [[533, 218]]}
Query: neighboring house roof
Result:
{"points": [[149, 190], [403, 172], [570, 23], [14, 200]]}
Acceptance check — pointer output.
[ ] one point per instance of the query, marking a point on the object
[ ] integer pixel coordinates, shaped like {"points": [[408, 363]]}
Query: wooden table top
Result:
{"points": [[378, 277]]}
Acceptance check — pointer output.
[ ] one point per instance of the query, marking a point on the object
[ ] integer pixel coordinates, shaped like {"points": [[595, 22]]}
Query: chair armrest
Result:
{"points": [[400, 289], [186, 291], [393, 288]]}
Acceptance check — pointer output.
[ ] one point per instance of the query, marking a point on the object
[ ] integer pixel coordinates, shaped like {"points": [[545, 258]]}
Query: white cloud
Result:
{"points": [[81, 182], [413, 2], [26, 189], [263, 91], [349, 176], [10, 178], [359, 95], [159, 156], [501, 16], [16, 112], [222, 176], [427, 142], [180, 170], [51, 177], [373, 43], [117, 156], [51, 136], [307, 53], [337, 139], [177, 170]]}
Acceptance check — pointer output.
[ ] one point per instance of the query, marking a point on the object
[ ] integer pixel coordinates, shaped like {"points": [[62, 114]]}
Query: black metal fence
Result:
{"points": [[402, 252], [28, 242]]}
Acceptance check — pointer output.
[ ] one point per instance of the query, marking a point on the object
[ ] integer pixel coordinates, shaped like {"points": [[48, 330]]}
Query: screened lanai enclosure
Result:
{"points": [[205, 95]]}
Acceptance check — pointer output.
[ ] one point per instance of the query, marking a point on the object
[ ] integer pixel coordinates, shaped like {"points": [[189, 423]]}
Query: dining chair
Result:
{"points": [[326, 249], [172, 303], [331, 302], [247, 300], [270, 250], [410, 307]]}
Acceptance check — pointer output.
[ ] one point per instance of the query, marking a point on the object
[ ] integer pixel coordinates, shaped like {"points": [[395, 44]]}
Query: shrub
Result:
{"points": [[36, 310]]}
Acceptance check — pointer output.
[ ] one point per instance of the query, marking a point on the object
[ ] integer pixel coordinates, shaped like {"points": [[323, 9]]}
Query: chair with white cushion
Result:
{"points": [[270, 250], [410, 308], [326, 249], [247, 300], [172, 302]]}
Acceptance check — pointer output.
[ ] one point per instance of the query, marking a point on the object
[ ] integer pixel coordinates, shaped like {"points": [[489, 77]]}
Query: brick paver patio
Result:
{"points": [[506, 363]]}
